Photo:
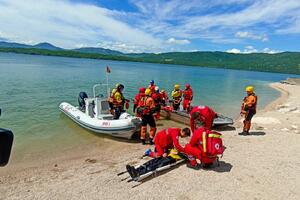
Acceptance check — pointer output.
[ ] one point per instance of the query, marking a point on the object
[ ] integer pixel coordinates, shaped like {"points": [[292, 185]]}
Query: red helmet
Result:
{"points": [[187, 86], [142, 90]]}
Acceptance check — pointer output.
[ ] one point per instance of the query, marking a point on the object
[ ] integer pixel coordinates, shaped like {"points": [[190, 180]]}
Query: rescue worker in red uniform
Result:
{"points": [[167, 139], [157, 101], [203, 115], [164, 97], [187, 97], [248, 109], [137, 99], [152, 86], [194, 150], [145, 109]]}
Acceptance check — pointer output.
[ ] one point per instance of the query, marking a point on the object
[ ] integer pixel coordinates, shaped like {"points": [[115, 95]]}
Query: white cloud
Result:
{"points": [[155, 26], [233, 50], [270, 51], [67, 24], [246, 34], [176, 41], [251, 49], [203, 20]]}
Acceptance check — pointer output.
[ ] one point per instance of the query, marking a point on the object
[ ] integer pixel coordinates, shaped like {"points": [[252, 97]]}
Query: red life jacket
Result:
{"points": [[138, 98], [188, 94], [143, 108], [156, 98]]}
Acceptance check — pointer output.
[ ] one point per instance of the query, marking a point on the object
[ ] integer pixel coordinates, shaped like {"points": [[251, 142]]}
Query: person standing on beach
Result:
{"points": [[138, 98], [187, 97], [145, 109], [248, 109]]}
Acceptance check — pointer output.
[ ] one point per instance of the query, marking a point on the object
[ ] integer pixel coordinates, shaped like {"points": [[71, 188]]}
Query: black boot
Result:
{"points": [[128, 168], [134, 172], [151, 141], [143, 141], [195, 167]]}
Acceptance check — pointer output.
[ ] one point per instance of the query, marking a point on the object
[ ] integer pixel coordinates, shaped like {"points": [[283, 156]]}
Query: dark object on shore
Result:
{"points": [[291, 81], [6, 141]]}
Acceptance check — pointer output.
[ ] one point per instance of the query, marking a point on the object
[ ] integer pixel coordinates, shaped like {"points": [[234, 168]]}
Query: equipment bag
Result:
{"points": [[212, 143]]}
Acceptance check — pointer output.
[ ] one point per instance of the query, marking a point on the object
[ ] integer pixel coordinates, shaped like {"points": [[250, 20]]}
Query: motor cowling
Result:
{"points": [[81, 101]]}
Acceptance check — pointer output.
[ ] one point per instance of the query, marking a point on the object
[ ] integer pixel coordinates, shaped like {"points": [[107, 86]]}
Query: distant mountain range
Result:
{"points": [[49, 46], [285, 62]]}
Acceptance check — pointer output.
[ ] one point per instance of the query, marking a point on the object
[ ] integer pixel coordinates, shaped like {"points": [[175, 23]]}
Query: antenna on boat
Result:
{"points": [[107, 72]]}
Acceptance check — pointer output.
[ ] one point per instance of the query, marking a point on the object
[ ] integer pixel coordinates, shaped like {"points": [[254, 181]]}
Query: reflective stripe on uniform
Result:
{"points": [[204, 141], [214, 135]]}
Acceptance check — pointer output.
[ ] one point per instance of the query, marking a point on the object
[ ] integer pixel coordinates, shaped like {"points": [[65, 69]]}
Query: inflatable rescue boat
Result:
{"points": [[94, 114]]}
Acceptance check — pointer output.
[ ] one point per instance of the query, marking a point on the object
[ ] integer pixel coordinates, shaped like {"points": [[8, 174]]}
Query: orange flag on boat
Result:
{"points": [[108, 69]]}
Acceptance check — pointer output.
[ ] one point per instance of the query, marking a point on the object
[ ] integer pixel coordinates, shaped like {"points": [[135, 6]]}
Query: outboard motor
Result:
{"points": [[81, 102]]}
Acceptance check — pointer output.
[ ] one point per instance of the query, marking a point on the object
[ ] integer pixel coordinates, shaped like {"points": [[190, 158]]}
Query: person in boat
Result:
{"points": [[111, 100], [154, 164], [167, 139], [205, 146], [118, 101], [145, 109], [202, 115], [248, 109], [137, 100], [164, 97], [152, 86], [176, 95], [157, 101], [187, 97]]}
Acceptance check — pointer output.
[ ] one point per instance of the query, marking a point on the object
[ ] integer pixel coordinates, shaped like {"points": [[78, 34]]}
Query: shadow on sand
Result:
{"points": [[254, 133], [224, 128]]}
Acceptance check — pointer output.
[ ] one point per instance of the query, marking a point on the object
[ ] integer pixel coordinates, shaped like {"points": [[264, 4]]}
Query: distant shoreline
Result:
{"points": [[273, 63]]}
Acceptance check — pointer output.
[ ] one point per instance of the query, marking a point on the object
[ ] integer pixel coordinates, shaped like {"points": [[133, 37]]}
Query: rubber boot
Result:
{"points": [[134, 172], [247, 125], [128, 168]]}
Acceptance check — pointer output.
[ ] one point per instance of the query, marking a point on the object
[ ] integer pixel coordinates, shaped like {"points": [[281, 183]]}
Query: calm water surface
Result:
{"points": [[32, 87]]}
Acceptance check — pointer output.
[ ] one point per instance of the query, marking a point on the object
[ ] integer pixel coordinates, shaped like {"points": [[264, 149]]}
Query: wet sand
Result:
{"points": [[264, 165]]}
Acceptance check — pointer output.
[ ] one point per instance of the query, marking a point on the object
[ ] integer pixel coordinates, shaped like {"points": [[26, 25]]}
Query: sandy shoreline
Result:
{"points": [[264, 165]]}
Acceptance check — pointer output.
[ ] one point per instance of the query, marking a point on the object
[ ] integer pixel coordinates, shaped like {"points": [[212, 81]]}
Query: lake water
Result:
{"points": [[32, 87]]}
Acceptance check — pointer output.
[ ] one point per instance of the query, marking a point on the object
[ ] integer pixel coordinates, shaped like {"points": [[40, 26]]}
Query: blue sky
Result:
{"points": [[237, 26]]}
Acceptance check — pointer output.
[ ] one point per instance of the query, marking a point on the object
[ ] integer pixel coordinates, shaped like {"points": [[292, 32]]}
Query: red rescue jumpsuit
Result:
{"points": [[206, 116], [187, 98], [157, 101], [136, 101], [165, 140], [194, 148]]}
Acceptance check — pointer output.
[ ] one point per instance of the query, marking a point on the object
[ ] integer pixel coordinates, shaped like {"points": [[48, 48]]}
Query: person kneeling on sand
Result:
{"points": [[205, 145], [155, 163], [167, 139]]}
